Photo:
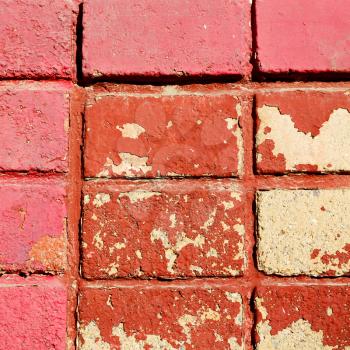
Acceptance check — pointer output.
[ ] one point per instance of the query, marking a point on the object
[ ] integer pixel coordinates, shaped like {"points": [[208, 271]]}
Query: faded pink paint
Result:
{"points": [[32, 313], [33, 119], [303, 36], [166, 38], [36, 39], [29, 210]]}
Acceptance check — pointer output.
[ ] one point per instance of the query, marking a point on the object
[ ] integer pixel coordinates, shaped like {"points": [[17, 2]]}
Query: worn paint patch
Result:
{"points": [[164, 135], [302, 131], [295, 317], [310, 229], [49, 252], [131, 130], [169, 229], [183, 318]]}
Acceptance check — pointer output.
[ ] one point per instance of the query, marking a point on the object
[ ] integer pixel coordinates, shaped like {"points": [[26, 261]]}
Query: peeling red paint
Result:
{"points": [[168, 229], [194, 318], [288, 304]]}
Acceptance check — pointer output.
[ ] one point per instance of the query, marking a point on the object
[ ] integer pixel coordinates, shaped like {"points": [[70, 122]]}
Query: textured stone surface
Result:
{"points": [[304, 317], [303, 36], [32, 313], [167, 318], [304, 232], [170, 132], [166, 38], [32, 225], [36, 39], [168, 229], [301, 131], [34, 119]]}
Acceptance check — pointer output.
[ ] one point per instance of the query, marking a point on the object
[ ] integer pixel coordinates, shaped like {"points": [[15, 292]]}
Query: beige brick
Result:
{"points": [[304, 232]]}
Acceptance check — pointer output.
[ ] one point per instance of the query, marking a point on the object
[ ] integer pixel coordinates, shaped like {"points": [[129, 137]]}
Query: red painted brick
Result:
{"points": [[303, 317], [32, 313], [303, 36], [160, 318], [36, 39], [303, 131], [166, 38], [32, 225], [170, 132], [34, 120], [163, 229]]}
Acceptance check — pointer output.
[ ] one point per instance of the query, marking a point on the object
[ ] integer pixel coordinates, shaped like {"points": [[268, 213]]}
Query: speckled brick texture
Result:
{"points": [[174, 175]]}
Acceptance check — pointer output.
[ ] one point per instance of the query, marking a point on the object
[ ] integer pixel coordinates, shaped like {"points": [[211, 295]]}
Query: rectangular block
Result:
{"points": [[303, 131], [168, 318], [32, 225], [32, 313], [175, 38], [34, 120], [36, 39], [163, 229], [304, 232], [303, 36], [302, 317], [166, 132]]}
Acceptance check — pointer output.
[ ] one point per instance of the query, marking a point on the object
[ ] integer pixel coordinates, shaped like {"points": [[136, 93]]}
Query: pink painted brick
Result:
{"points": [[32, 225], [36, 39], [166, 38], [34, 119], [32, 313], [303, 36]]}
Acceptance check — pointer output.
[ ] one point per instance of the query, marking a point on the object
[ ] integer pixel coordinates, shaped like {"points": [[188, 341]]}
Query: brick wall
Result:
{"points": [[174, 175]]}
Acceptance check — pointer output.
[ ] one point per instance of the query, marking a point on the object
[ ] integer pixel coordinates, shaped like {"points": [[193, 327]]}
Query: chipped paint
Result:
{"points": [[130, 165], [129, 342], [299, 335], [91, 338], [131, 130], [172, 250], [284, 234], [325, 151], [101, 199], [138, 195]]}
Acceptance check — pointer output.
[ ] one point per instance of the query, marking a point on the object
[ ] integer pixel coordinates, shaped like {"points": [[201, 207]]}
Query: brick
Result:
{"points": [[153, 229], [32, 225], [32, 313], [303, 36], [304, 232], [166, 38], [34, 120], [303, 131], [36, 39], [170, 132], [169, 318], [302, 317]]}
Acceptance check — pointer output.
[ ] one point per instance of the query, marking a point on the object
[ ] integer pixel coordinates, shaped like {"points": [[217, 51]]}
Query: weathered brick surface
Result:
{"points": [[160, 318], [34, 120], [168, 229], [303, 130], [303, 317], [32, 313], [299, 36], [304, 232], [36, 39], [166, 38], [32, 225], [170, 132]]}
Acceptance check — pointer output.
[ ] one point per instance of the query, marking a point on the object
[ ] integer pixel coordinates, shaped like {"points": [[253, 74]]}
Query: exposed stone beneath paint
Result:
{"points": [[304, 232]]}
